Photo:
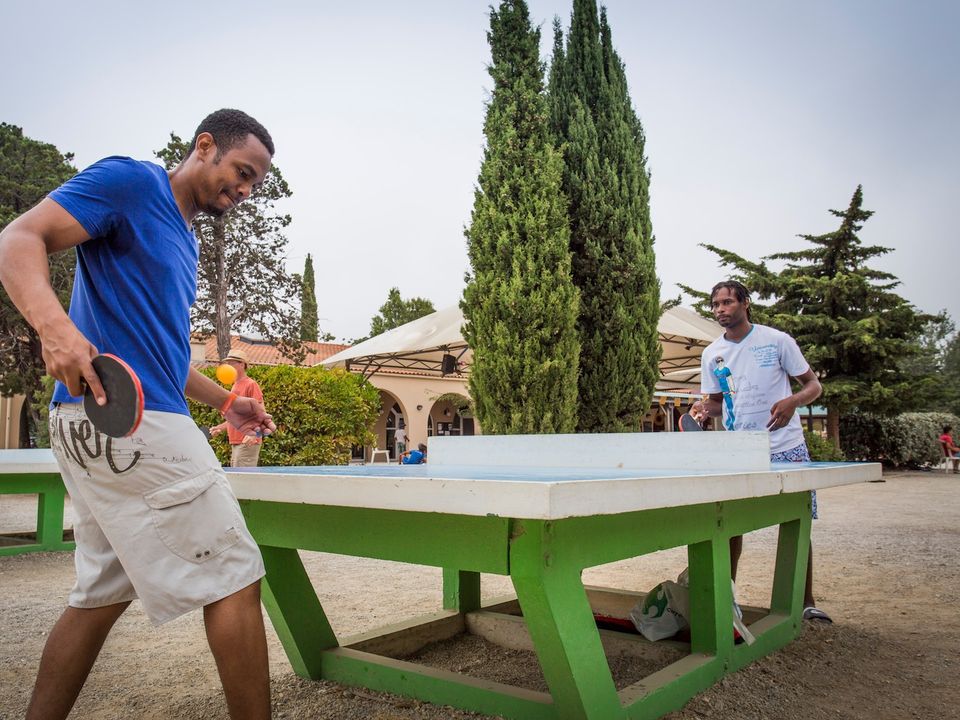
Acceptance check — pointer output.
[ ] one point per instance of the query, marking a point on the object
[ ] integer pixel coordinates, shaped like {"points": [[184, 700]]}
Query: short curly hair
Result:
{"points": [[229, 129]]}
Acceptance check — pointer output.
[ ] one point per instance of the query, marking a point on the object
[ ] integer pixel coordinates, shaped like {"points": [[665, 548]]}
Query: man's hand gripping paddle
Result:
{"points": [[688, 423], [121, 414]]}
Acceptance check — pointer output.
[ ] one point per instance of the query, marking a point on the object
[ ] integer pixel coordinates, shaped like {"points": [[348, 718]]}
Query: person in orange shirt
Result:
{"points": [[950, 448], [244, 449]]}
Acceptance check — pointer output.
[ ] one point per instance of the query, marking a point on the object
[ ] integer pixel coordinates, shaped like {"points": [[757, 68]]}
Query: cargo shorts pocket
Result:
{"points": [[196, 518]]}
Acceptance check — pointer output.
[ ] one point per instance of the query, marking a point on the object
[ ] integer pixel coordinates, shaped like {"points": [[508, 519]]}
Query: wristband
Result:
{"points": [[228, 402]]}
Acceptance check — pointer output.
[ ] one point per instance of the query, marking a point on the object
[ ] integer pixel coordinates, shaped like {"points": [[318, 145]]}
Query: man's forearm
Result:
{"points": [[25, 275], [204, 390]]}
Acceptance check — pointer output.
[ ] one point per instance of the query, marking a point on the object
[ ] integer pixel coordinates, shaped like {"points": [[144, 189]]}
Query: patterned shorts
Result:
{"points": [[155, 516], [797, 454]]}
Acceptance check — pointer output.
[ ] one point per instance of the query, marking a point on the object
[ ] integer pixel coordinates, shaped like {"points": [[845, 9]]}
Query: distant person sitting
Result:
{"points": [[950, 449], [415, 457]]}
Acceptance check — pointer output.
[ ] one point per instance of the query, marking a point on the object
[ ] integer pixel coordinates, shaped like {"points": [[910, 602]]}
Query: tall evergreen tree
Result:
{"points": [[309, 322], [520, 304], [242, 282], [611, 237], [854, 330], [29, 169]]}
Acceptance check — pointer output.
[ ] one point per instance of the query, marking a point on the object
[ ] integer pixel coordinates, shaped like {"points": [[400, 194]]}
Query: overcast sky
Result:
{"points": [[760, 116]]}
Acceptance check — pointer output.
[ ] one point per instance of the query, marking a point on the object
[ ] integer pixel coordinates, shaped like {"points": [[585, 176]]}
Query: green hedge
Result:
{"points": [[821, 449], [319, 414], [906, 440]]}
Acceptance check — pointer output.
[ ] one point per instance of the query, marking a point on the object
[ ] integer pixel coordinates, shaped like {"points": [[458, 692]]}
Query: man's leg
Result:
{"points": [[68, 656], [736, 548], [808, 600], [238, 641]]}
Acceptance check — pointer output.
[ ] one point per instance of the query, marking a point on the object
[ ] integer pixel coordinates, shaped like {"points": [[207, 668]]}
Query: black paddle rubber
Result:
{"points": [[688, 423], [124, 408]]}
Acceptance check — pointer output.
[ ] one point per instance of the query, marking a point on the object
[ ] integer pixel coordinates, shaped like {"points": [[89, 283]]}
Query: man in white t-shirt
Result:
{"points": [[746, 374], [400, 437]]}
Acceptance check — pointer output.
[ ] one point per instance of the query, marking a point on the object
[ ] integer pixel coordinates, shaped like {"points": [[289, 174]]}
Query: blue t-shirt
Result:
{"points": [[136, 276], [414, 458]]}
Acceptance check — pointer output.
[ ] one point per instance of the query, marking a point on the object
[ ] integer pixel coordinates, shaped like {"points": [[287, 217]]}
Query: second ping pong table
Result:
{"points": [[539, 509]]}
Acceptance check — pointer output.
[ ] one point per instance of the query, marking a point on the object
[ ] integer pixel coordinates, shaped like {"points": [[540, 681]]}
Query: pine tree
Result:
{"points": [[855, 332], [520, 304], [309, 322], [242, 281], [611, 237]]}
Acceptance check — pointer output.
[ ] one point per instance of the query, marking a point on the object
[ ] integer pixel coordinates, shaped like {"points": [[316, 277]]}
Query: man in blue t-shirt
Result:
{"points": [[414, 457], [155, 517]]}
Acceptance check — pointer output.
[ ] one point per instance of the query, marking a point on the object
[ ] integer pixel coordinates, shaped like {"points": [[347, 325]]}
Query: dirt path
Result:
{"points": [[887, 569]]}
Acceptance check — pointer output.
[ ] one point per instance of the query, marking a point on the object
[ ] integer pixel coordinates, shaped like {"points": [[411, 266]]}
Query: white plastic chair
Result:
{"points": [[378, 451]]}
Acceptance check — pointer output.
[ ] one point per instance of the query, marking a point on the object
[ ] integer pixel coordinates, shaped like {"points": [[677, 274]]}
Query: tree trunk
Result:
{"points": [[223, 319], [833, 426]]}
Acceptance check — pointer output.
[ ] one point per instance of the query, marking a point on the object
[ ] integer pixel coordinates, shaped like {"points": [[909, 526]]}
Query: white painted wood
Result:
{"points": [[463, 491], [651, 451], [33, 460]]}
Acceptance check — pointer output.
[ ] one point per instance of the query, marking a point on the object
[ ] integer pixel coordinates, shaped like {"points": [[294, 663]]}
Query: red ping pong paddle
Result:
{"points": [[121, 414], [688, 423]]}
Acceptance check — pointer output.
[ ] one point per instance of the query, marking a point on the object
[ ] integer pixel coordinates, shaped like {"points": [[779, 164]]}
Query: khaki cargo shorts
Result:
{"points": [[155, 516]]}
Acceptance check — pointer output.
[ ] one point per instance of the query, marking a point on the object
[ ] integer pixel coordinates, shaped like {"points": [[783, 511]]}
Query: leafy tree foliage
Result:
{"points": [[29, 170], [242, 282], [951, 376], [396, 312], [520, 303], [611, 236], [855, 331], [309, 322], [319, 413]]}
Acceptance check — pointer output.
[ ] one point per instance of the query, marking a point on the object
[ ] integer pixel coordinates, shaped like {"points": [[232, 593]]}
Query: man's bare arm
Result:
{"points": [[782, 411], [25, 274]]}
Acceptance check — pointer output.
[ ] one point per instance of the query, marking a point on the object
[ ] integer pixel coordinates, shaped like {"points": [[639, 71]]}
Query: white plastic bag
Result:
{"points": [[663, 612]]}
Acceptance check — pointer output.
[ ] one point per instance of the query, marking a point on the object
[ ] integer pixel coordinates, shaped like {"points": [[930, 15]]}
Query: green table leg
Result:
{"points": [[461, 590], [561, 624], [295, 611]]}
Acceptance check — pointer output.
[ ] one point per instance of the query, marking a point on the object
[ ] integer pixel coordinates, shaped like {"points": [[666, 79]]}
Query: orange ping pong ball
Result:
{"points": [[227, 374]]}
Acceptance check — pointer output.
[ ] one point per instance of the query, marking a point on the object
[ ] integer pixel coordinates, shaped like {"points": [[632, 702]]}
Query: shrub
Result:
{"points": [[821, 449], [905, 440], [320, 414]]}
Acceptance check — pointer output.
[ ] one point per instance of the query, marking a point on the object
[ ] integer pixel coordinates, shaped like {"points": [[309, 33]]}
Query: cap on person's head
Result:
{"points": [[238, 355]]}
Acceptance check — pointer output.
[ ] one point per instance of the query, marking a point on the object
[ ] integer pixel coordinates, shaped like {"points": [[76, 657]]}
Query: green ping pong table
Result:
{"points": [[539, 509]]}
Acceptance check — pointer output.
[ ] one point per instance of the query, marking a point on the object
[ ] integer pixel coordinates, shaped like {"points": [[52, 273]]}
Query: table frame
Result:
{"points": [[50, 492], [544, 559]]}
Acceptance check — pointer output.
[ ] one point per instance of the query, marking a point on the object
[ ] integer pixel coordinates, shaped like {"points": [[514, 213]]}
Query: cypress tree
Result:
{"points": [[611, 238], [309, 322], [519, 303]]}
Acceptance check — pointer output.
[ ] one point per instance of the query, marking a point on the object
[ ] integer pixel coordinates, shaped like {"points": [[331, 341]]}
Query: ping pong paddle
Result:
{"points": [[121, 414], [688, 423]]}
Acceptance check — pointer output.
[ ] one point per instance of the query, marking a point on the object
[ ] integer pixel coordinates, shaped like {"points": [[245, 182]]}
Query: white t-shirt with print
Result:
{"points": [[760, 367]]}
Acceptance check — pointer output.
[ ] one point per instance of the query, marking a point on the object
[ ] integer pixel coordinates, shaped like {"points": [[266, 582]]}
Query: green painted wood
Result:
{"points": [[561, 624], [711, 598], [461, 590], [295, 611], [436, 686], [545, 560], [441, 540], [51, 494], [615, 537], [671, 688]]}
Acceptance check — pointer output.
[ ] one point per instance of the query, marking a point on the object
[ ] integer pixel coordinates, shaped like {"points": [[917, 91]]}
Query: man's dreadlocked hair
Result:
{"points": [[739, 291]]}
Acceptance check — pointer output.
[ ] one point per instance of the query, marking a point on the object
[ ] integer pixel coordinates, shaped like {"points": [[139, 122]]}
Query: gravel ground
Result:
{"points": [[887, 569]]}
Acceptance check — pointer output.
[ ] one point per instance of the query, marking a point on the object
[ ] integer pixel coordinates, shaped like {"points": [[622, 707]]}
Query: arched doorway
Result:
{"points": [[451, 414]]}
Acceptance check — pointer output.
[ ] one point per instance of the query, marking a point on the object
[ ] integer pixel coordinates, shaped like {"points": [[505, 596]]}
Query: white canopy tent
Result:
{"points": [[434, 345]]}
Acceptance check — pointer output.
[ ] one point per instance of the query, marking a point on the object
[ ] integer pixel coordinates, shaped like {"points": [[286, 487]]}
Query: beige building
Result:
{"points": [[421, 370]]}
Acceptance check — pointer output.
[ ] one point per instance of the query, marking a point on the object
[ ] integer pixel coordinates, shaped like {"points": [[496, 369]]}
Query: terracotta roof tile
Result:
{"points": [[263, 353]]}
